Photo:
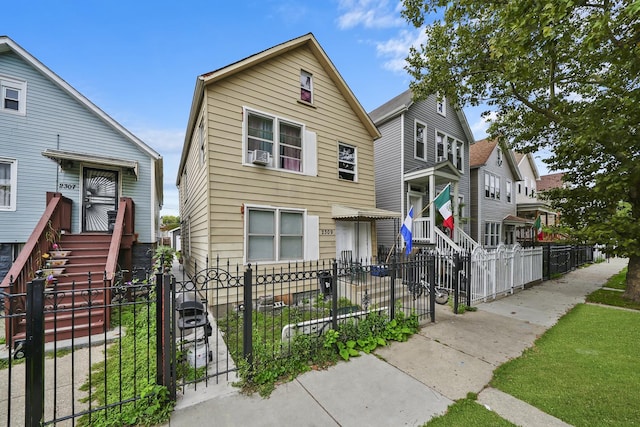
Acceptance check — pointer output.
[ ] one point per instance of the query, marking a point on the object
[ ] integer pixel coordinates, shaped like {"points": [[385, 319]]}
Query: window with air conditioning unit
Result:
{"points": [[278, 143], [260, 157]]}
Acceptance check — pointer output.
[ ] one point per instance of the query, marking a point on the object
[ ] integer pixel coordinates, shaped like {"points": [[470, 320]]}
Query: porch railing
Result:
{"points": [[422, 230], [56, 217]]}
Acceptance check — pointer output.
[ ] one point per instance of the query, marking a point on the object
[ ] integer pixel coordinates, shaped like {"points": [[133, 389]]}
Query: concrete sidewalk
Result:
{"points": [[406, 384]]}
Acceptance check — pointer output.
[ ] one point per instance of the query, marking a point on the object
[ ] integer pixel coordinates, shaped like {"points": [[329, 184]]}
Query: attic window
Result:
{"points": [[441, 105], [13, 96], [306, 87]]}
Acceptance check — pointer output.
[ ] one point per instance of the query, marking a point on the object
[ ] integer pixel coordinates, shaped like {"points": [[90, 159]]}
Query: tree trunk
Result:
{"points": [[632, 291]]}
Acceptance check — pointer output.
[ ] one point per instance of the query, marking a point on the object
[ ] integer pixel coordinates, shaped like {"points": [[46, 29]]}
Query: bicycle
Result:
{"points": [[418, 288]]}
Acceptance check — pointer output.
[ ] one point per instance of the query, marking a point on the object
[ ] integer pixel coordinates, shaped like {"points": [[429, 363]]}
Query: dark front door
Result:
{"points": [[100, 196]]}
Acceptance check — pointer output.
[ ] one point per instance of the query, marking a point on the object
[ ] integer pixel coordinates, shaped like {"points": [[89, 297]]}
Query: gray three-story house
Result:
{"points": [[424, 146]]}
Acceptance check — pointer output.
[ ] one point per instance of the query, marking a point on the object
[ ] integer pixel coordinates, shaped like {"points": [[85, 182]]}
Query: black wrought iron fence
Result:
{"points": [[143, 331], [561, 259], [76, 354], [224, 312]]}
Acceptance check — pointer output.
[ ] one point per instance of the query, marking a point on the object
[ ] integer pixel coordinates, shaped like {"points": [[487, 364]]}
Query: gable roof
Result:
{"points": [[553, 180], [480, 151], [307, 40], [402, 103], [532, 163], [6, 44]]}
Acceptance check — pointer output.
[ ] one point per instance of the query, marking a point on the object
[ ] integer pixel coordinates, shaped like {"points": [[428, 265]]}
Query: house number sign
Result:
{"points": [[326, 232], [62, 186]]}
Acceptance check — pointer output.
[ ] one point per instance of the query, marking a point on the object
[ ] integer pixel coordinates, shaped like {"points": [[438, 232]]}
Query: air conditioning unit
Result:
{"points": [[260, 157], [441, 159]]}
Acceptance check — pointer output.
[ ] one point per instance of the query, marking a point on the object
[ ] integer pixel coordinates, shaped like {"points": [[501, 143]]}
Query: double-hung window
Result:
{"points": [[491, 233], [280, 139], [509, 191], [13, 94], [450, 148], [8, 184], [420, 150], [347, 166], [491, 186], [275, 234], [440, 138]]}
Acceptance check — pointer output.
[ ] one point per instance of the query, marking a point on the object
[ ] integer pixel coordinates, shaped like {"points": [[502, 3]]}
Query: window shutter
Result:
{"points": [[312, 240], [310, 153]]}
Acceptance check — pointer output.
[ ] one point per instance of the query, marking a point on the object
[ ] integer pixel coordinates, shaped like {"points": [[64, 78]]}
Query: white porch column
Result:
{"points": [[432, 208], [456, 211]]}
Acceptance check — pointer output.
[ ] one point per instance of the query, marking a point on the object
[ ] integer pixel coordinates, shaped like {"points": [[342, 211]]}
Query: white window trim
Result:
{"points": [[304, 73], [415, 140], [496, 187], [509, 191], [277, 210], [21, 87], [495, 230], [355, 162], [13, 183], [454, 149], [273, 164], [441, 106]]}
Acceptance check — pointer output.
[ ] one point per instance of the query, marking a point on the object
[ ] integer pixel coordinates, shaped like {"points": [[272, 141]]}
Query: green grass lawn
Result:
{"points": [[467, 412], [585, 370]]}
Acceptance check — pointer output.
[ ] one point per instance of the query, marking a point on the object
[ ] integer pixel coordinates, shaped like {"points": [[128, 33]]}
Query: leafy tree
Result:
{"points": [[562, 75], [169, 222]]}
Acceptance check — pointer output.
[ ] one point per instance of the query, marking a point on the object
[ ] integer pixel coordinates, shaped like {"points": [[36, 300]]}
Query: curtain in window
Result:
{"points": [[290, 147], [260, 133]]}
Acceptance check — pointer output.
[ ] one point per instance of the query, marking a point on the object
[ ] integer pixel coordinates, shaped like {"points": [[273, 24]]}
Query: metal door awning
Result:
{"points": [[361, 214], [65, 157]]}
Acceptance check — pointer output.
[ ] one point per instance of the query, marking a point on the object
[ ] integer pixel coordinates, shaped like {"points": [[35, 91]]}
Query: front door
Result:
{"points": [[100, 189], [353, 240]]}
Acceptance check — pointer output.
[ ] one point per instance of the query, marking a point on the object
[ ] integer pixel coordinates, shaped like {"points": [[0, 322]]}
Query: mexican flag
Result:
{"points": [[538, 227], [443, 203]]}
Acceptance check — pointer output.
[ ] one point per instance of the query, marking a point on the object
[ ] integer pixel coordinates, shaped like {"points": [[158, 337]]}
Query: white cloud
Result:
{"points": [[369, 14], [480, 126], [396, 49]]}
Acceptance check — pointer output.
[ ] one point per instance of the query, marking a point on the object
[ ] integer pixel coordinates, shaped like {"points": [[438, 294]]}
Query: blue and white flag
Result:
{"points": [[405, 230]]}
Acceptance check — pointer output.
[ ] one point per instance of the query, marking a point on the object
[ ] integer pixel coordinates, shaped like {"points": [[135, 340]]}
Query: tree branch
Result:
{"points": [[543, 111]]}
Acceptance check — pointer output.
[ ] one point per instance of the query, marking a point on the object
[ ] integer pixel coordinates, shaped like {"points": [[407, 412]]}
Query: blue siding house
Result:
{"points": [[54, 140]]}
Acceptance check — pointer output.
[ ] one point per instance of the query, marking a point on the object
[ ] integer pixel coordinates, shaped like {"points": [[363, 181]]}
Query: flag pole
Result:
{"points": [[421, 212], [396, 238]]}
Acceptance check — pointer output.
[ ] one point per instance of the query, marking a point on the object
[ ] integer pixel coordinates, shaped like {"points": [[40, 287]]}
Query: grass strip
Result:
{"points": [[584, 370], [468, 412]]}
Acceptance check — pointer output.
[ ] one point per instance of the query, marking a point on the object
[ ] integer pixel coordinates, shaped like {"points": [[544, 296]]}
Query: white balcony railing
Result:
{"points": [[422, 230]]}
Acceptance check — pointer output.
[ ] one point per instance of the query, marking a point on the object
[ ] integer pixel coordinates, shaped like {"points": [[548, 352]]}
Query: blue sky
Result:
{"points": [[138, 60]]}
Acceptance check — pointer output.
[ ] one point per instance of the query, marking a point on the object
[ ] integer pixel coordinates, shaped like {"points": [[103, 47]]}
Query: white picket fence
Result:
{"points": [[500, 271]]}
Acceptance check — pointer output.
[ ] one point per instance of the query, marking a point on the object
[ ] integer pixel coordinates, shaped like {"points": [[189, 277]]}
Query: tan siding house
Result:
{"points": [[277, 164]]}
